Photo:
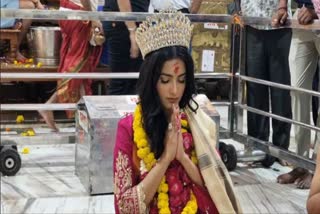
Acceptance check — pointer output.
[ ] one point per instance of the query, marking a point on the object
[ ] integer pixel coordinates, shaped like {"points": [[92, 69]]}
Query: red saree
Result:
{"points": [[128, 193], [76, 55]]}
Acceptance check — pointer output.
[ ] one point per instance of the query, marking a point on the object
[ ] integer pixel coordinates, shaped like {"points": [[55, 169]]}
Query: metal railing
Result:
{"points": [[235, 115]]}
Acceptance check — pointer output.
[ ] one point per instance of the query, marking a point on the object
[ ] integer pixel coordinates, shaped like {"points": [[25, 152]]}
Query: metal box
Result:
{"points": [[96, 126]]}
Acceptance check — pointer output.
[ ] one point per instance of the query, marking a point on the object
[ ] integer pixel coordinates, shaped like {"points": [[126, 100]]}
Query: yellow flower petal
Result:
{"points": [[184, 123], [25, 150], [165, 211], [19, 119], [148, 159], [163, 196], [142, 143], [164, 187]]}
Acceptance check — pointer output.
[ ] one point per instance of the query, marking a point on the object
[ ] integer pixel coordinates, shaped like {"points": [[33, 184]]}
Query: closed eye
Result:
{"points": [[182, 79], [164, 80]]}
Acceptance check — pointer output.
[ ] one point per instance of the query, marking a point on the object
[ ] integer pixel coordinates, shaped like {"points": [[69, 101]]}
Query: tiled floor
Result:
{"points": [[47, 184]]}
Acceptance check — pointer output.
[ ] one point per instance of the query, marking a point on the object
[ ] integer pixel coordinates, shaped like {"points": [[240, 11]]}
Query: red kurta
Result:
{"points": [[128, 194]]}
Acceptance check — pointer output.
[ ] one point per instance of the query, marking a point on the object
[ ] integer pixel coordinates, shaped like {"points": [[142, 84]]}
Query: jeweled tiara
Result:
{"points": [[164, 29]]}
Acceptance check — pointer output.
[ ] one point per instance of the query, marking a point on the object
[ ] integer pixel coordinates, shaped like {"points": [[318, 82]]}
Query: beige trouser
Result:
{"points": [[303, 59]]}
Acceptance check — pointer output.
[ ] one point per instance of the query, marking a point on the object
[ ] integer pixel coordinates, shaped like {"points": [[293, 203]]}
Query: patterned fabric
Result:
{"points": [[261, 8], [215, 175], [128, 194], [125, 168], [316, 4], [76, 55]]}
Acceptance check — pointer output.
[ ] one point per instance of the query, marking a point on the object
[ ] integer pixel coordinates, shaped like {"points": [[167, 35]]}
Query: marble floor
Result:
{"points": [[46, 182]]}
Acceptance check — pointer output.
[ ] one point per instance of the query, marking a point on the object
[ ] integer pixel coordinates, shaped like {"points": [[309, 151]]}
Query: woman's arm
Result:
{"points": [[128, 194], [313, 203], [192, 170], [195, 6], [125, 6]]}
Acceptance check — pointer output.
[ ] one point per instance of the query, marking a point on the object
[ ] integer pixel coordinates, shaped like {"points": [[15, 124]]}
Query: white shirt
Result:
{"points": [[170, 4]]}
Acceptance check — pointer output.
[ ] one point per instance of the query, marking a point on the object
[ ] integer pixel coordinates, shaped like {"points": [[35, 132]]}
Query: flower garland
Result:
{"points": [[148, 161]]}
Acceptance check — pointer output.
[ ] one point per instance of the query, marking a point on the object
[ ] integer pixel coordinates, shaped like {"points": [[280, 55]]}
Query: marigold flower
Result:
{"points": [[163, 204], [194, 160], [143, 152], [25, 150], [183, 130], [142, 143], [165, 211], [163, 196], [148, 158], [193, 205], [164, 187], [184, 123], [20, 119]]}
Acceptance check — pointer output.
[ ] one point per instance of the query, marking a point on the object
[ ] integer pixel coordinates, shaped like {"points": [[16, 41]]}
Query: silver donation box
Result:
{"points": [[96, 126]]}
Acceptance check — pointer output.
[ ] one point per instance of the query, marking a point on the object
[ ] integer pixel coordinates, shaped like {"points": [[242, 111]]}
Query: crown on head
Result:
{"points": [[164, 29]]}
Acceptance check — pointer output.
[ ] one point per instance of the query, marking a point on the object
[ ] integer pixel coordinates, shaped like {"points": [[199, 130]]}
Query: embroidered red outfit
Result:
{"points": [[128, 193]]}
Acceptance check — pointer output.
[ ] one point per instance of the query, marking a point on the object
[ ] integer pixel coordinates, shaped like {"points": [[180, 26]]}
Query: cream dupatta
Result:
{"points": [[213, 170]]}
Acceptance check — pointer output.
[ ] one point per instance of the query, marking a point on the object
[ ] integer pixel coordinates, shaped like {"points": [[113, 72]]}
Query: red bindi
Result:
{"points": [[176, 68]]}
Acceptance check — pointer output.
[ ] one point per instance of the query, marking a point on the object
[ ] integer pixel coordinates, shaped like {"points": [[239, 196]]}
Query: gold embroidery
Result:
{"points": [[128, 197], [141, 198]]}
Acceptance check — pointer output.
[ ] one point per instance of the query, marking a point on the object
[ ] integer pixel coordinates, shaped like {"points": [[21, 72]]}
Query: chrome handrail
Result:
{"points": [[135, 16], [132, 75]]}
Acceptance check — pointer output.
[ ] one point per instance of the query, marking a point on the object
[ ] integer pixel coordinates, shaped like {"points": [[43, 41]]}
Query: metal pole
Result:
{"points": [[277, 117], [278, 85], [60, 107], [138, 17], [241, 86], [55, 76]]}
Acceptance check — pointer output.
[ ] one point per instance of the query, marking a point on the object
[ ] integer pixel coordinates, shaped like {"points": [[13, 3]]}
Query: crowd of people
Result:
{"points": [[156, 167]]}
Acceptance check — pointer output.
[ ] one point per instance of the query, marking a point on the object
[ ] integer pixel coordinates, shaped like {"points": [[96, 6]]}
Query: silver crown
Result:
{"points": [[164, 29]]}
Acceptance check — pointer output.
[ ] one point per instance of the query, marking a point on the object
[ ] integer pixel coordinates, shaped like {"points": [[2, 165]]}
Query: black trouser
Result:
{"points": [[267, 59], [117, 37]]}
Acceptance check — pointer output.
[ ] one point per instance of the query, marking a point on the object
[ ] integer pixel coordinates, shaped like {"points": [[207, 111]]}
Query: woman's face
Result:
{"points": [[172, 83]]}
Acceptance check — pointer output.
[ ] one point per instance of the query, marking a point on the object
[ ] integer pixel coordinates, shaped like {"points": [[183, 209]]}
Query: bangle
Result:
{"points": [[132, 28], [283, 8]]}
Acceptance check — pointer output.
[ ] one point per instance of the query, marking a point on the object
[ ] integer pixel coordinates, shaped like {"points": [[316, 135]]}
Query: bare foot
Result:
{"points": [[304, 182], [20, 57], [290, 177], [284, 163], [49, 119]]}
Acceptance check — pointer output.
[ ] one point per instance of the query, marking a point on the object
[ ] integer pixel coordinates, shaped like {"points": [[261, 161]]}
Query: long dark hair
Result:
{"points": [[154, 119]]}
